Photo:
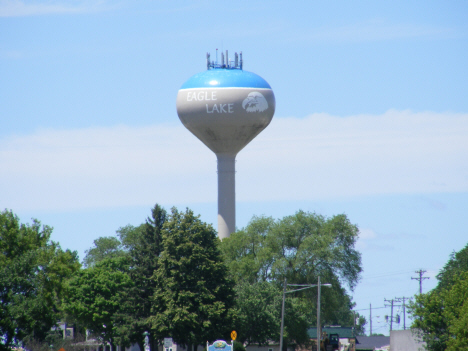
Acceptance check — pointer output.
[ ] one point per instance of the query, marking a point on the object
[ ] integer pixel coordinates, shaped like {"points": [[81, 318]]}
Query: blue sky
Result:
{"points": [[371, 121]]}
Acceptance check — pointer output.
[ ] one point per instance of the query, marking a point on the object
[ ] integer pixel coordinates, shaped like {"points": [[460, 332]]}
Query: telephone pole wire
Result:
{"points": [[420, 278]]}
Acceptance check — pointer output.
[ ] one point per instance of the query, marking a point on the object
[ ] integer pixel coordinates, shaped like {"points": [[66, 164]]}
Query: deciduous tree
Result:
{"points": [[440, 316], [32, 272], [104, 247], [97, 296], [257, 312], [456, 314], [142, 246], [456, 265], [300, 247], [193, 294]]}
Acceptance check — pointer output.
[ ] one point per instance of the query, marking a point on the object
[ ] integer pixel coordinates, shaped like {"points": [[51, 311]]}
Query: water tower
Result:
{"points": [[226, 107]]}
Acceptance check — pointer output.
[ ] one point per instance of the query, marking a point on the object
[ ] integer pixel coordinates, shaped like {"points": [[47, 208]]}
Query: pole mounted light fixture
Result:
{"points": [[302, 287]]}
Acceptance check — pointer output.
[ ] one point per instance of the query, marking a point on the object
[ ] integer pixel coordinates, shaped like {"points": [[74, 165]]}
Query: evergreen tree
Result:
{"points": [[145, 246]]}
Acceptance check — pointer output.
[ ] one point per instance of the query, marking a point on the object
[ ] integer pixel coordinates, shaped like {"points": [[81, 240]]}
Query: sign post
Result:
{"points": [[167, 343], [220, 345]]}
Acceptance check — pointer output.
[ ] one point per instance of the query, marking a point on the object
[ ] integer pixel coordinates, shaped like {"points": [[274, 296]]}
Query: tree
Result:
{"points": [[440, 316], [430, 324], [97, 296], [104, 247], [32, 272], [456, 265], [193, 295], [360, 325], [257, 312], [300, 248], [144, 244], [130, 236], [456, 314]]}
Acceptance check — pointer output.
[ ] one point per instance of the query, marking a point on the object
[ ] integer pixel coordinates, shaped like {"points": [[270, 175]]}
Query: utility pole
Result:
{"points": [[391, 313], [370, 319], [400, 299], [354, 323], [319, 326], [420, 278], [282, 315], [392, 301], [303, 287]]}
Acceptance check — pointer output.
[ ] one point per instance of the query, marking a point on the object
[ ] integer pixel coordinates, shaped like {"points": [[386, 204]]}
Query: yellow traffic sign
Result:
{"points": [[233, 335]]}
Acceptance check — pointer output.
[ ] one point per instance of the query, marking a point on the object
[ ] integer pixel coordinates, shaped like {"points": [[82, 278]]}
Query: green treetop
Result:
{"points": [[440, 316], [193, 295], [33, 270], [97, 296], [300, 248]]}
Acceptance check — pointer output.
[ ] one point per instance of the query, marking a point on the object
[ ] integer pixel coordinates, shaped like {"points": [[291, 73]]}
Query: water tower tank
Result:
{"points": [[226, 107]]}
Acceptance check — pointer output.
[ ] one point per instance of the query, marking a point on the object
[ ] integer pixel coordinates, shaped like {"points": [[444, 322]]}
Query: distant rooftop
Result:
{"points": [[370, 342], [343, 332]]}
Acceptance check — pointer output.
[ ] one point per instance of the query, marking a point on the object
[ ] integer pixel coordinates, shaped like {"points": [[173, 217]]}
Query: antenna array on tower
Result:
{"points": [[237, 63]]}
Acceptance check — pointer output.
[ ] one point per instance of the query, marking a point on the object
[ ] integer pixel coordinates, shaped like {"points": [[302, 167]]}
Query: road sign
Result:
{"points": [[233, 335], [167, 342]]}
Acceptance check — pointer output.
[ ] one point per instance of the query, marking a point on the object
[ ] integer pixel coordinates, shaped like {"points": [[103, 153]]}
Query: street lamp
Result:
{"points": [[303, 287]]}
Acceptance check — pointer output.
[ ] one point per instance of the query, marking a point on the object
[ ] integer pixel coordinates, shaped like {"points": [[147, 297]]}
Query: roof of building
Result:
{"points": [[343, 332], [369, 342]]}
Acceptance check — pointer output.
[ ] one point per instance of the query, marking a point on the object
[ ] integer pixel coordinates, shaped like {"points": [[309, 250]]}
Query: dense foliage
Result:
{"points": [[194, 294], [104, 247], [96, 296], [144, 245], [300, 248], [257, 312], [441, 315], [33, 270], [141, 246], [172, 277]]}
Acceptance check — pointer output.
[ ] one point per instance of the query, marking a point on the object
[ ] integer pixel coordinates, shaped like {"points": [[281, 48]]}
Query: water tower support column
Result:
{"points": [[226, 195]]}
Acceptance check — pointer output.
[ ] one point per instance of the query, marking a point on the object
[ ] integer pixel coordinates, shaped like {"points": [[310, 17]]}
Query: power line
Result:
{"points": [[385, 274], [367, 309]]}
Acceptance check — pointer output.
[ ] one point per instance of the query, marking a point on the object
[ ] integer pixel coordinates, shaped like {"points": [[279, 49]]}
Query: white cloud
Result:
{"points": [[366, 235], [20, 8], [318, 157]]}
